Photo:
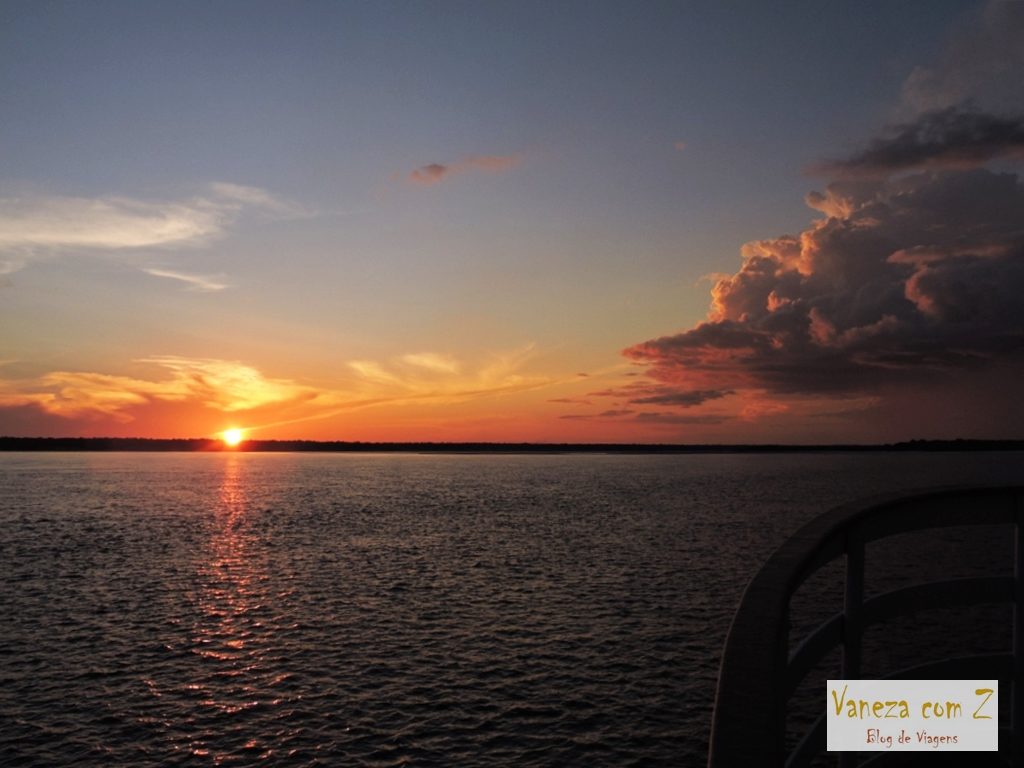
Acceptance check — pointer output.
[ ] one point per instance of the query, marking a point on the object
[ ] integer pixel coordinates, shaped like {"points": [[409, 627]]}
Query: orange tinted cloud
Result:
{"points": [[219, 384], [259, 402]]}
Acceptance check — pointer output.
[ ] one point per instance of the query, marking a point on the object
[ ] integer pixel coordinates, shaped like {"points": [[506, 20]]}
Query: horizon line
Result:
{"points": [[211, 444]]}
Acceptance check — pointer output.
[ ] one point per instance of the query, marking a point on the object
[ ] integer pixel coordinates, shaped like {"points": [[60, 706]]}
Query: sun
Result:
{"points": [[232, 437]]}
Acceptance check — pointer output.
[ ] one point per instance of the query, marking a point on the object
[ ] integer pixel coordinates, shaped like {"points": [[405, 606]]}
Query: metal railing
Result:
{"points": [[759, 674]]}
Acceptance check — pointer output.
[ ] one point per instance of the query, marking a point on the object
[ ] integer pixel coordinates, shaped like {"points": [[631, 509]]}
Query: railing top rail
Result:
{"points": [[752, 678]]}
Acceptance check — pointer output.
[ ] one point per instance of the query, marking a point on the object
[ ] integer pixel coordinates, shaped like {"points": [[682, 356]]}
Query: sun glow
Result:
{"points": [[232, 437]]}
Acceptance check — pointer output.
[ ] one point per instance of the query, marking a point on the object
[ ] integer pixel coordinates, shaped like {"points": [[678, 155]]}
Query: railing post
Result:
{"points": [[1017, 687], [853, 628]]}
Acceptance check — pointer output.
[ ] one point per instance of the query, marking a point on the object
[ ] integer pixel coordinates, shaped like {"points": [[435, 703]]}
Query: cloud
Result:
{"points": [[947, 138], [432, 362], [648, 394], [430, 174], [432, 376], [224, 385], [255, 197], [34, 227], [229, 385], [232, 387], [435, 173], [902, 281], [638, 393], [110, 223], [682, 398], [373, 372], [195, 282]]}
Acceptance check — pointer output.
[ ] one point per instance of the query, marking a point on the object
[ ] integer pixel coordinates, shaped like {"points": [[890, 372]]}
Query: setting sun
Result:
{"points": [[232, 436]]}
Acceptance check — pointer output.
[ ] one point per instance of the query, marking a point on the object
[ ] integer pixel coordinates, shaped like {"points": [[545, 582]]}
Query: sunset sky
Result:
{"points": [[522, 221]]}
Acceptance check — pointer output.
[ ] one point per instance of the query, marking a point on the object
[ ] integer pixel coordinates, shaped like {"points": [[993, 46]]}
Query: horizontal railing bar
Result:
{"points": [[982, 666], [889, 515], [923, 514], [940, 594]]}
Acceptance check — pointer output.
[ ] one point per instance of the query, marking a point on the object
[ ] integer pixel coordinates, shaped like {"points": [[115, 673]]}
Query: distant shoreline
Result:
{"points": [[196, 445]]}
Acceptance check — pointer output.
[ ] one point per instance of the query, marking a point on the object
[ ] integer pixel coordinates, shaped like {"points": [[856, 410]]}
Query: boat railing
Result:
{"points": [[759, 673]]}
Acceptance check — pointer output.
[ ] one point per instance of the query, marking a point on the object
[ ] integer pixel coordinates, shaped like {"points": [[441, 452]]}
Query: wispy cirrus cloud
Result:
{"points": [[205, 283], [435, 173], [432, 376], [432, 361], [39, 226]]}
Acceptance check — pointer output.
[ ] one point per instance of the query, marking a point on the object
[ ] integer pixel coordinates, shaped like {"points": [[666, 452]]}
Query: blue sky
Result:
{"points": [[594, 236]]}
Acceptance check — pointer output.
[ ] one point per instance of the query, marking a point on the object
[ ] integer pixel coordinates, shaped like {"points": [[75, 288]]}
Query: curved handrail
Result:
{"points": [[757, 672]]}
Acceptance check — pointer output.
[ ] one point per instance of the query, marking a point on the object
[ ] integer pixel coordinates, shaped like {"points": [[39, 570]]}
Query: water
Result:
{"points": [[385, 610]]}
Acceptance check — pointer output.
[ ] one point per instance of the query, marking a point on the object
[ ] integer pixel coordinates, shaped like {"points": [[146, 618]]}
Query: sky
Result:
{"points": [[685, 222]]}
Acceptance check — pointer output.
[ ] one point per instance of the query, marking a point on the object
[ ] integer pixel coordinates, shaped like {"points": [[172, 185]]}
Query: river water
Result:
{"points": [[395, 609]]}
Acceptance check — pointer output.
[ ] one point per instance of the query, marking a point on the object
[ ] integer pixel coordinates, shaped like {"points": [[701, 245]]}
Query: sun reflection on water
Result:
{"points": [[232, 631]]}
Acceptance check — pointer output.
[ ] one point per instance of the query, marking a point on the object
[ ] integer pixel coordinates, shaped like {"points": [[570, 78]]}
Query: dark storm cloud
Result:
{"points": [[648, 394], [901, 281], [946, 138], [683, 398]]}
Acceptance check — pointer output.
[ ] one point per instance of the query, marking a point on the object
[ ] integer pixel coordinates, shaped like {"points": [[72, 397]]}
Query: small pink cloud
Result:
{"points": [[429, 174], [435, 173]]}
